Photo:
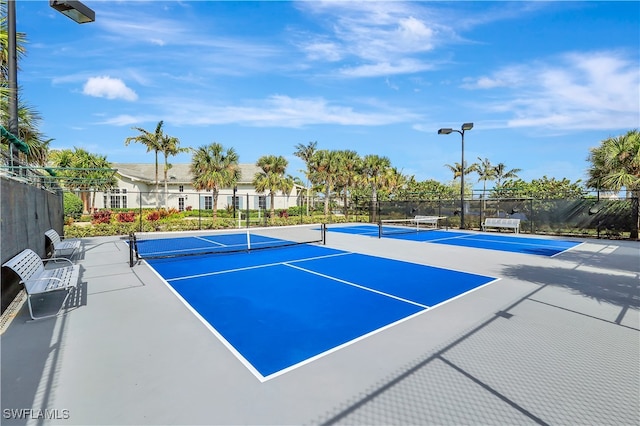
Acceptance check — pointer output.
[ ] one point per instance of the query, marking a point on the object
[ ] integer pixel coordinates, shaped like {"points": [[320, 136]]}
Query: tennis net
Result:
{"points": [[162, 245], [406, 226]]}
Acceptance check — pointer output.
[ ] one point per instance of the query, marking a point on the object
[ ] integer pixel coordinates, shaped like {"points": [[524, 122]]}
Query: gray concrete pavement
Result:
{"points": [[553, 341]]}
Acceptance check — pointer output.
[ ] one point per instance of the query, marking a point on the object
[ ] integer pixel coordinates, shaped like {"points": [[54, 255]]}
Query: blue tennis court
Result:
{"points": [[279, 309], [490, 241]]}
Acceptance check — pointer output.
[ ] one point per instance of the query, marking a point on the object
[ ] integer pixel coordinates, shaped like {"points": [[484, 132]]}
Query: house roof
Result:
{"points": [[177, 174]]}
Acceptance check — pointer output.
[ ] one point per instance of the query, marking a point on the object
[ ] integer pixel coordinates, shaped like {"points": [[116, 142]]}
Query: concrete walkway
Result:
{"points": [[553, 341]]}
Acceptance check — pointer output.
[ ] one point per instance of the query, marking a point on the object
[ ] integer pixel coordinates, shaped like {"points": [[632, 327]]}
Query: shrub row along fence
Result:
{"points": [[612, 218], [124, 212]]}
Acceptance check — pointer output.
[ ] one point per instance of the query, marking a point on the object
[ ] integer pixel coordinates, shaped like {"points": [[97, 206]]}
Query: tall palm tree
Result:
{"points": [[272, 177], [305, 153], [374, 169], [169, 146], [348, 174], [501, 173], [214, 168], [325, 166], [486, 171], [153, 142]]}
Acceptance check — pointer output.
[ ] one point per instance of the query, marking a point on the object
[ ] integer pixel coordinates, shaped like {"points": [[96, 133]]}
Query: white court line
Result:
{"points": [[264, 265], [357, 285], [210, 241]]}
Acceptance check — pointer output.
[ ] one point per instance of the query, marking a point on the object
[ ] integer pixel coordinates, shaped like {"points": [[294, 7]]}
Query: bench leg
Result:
{"points": [[34, 318]]}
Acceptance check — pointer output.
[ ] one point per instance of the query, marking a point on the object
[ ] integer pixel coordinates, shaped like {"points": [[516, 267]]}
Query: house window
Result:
{"points": [[262, 202], [208, 203], [236, 202], [117, 199], [181, 188]]}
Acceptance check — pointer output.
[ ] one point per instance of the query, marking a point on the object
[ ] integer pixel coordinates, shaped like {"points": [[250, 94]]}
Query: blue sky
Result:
{"points": [[542, 81]]}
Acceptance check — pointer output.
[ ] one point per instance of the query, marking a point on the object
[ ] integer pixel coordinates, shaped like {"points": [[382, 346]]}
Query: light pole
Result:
{"points": [[74, 10], [446, 131]]}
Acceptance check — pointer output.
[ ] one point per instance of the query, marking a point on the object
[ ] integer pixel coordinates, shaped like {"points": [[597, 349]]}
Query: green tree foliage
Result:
{"points": [[213, 167], [72, 205], [615, 165], [83, 171], [272, 178], [544, 188]]}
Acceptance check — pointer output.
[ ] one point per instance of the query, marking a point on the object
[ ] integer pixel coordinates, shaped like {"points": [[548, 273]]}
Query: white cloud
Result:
{"points": [[110, 88], [274, 111], [380, 38], [586, 90]]}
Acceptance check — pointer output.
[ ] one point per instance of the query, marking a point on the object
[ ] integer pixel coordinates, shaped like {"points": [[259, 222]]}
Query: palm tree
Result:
{"points": [[457, 169], [153, 142], [374, 169], [485, 172], [272, 177], [501, 173], [214, 168], [85, 172], [305, 153], [348, 174], [169, 146], [615, 164], [325, 166]]}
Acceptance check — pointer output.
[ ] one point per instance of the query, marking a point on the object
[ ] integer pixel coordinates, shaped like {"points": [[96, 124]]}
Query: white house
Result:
{"points": [[136, 187]]}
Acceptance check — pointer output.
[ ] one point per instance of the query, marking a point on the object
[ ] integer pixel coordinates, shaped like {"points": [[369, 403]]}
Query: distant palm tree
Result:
{"points": [[325, 166], [169, 146], [457, 169], [501, 173], [272, 177], [84, 172], [374, 169], [153, 142], [305, 153], [349, 171], [214, 168], [485, 172]]}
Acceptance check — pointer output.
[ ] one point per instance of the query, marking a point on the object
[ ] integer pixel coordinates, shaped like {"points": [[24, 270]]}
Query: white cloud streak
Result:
{"points": [[274, 111], [578, 90]]}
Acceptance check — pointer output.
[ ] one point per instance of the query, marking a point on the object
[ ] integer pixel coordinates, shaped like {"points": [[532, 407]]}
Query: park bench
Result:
{"points": [[62, 248], [38, 279], [499, 222], [428, 220]]}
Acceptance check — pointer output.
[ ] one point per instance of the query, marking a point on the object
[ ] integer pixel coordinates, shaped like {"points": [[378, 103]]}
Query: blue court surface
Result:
{"points": [[280, 309], [491, 241]]}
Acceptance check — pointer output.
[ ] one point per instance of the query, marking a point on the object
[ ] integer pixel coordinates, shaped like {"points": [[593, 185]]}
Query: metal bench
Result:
{"points": [[428, 220], [499, 222], [62, 247], [37, 279]]}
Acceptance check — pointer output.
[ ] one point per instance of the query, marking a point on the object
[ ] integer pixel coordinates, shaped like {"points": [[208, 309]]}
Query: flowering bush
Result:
{"points": [[101, 216], [124, 217]]}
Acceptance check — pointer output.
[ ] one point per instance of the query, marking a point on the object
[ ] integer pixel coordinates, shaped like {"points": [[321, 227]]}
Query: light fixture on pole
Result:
{"points": [[74, 10], [446, 131]]}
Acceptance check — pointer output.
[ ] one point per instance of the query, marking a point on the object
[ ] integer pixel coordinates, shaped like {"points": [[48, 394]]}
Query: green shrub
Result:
{"points": [[72, 205]]}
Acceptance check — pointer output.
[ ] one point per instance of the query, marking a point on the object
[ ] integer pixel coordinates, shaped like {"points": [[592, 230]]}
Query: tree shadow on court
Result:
{"points": [[617, 289]]}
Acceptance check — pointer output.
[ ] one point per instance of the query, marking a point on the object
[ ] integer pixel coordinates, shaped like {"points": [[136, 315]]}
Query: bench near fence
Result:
{"points": [[428, 220], [62, 247], [38, 280], [499, 222]]}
